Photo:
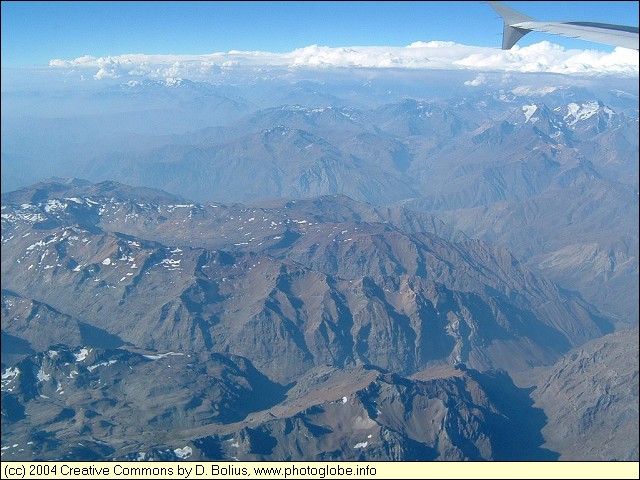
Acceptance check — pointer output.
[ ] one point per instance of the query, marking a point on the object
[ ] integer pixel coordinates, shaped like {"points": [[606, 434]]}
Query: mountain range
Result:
{"points": [[369, 306], [360, 265], [545, 164]]}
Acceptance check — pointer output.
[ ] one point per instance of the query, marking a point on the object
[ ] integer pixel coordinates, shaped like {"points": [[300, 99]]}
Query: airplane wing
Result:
{"points": [[517, 25]]}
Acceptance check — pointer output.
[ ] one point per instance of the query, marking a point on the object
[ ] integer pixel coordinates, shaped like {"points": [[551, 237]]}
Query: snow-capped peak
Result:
{"points": [[576, 113], [173, 81]]}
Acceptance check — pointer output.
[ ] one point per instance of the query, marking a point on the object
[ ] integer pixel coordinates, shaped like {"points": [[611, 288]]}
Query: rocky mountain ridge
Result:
{"points": [[293, 329]]}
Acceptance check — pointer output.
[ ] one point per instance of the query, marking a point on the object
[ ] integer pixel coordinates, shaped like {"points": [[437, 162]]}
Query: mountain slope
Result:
{"points": [[599, 381], [336, 291], [310, 302], [168, 406]]}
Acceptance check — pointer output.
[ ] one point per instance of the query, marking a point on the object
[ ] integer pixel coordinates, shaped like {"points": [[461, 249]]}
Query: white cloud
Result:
{"points": [[540, 57], [480, 79]]}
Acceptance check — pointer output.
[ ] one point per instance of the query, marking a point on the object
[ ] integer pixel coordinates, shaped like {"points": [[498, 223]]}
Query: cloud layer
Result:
{"points": [[540, 57]]}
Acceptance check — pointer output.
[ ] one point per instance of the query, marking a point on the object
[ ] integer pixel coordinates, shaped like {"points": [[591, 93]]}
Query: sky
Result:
{"points": [[33, 33], [83, 34]]}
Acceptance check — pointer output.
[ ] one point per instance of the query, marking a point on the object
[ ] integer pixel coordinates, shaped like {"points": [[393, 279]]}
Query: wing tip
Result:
{"points": [[510, 35]]}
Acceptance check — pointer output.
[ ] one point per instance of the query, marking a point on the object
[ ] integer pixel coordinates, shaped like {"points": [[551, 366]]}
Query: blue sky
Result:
{"points": [[33, 33]]}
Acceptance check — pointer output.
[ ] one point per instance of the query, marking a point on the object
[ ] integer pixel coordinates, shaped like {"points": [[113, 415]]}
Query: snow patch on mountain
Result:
{"points": [[184, 452], [529, 110], [81, 355], [578, 112]]}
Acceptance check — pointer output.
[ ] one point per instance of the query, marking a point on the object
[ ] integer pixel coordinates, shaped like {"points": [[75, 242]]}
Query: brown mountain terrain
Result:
{"points": [[322, 328]]}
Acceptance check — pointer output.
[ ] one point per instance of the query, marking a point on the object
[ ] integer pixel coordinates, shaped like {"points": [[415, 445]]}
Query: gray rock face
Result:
{"points": [[591, 399]]}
